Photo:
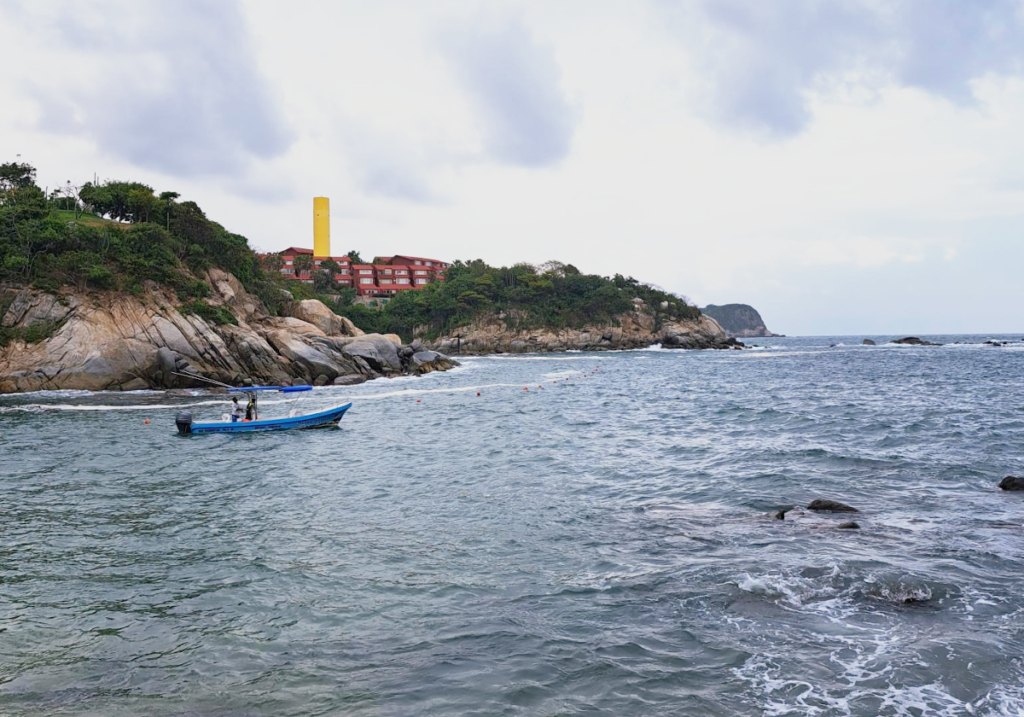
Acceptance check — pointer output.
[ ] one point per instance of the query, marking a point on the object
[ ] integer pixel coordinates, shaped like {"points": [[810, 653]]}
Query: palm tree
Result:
{"points": [[303, 264]]}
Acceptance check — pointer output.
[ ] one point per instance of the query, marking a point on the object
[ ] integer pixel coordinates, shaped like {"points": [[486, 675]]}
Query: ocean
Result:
{"points": [[594, 533]]}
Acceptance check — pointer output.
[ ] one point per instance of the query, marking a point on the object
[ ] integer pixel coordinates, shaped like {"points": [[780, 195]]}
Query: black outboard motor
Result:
{"points": [[184, 423]]}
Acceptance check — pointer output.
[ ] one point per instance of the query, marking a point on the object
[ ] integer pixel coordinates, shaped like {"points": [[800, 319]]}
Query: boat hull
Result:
{"points": [[322, 419]]}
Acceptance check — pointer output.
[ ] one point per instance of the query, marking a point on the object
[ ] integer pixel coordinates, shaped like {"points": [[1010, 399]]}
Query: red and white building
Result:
{"points": [[384, 278]]}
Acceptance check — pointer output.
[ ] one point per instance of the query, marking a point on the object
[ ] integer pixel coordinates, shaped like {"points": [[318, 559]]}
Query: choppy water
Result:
{"points": [[603, 545]]}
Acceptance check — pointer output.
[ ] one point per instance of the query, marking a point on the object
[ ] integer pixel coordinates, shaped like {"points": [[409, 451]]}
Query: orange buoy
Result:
{"points": [[417, 400], [146, 421], [477, 393], [525, 388]]}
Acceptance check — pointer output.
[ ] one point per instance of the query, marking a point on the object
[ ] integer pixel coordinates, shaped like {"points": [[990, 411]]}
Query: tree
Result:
{"points": [[346, 295], [353, 256], [168, 201], [272, 263], [15, 175], [303, 264], [323, 280]]}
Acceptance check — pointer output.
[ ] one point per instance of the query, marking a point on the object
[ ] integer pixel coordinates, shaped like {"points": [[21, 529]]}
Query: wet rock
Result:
{"points": [[1012, 483], [350, 380], [830, 506], [869, 342], [781, 515], [914, 341], [320, 380], [849, 525]]}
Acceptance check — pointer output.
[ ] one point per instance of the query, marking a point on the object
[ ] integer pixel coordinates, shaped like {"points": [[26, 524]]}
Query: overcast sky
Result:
{"points": [[843, 166]]}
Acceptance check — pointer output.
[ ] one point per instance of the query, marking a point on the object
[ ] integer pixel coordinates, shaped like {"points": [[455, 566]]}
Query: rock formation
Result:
{"points": [[634, 329], [914, 341], [1012, 483], [107, 340], [830, 506], [739, 320]]}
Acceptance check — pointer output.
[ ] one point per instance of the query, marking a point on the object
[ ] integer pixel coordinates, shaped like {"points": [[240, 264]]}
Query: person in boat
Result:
{"points": [[251, 414], [236, 410]]}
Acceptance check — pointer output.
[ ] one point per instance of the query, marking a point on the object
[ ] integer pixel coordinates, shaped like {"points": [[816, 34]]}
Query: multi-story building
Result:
{"points": [[385, 277]]}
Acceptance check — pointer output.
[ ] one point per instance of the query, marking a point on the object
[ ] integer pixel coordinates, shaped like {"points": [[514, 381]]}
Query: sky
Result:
{"points": [[846, 167]]}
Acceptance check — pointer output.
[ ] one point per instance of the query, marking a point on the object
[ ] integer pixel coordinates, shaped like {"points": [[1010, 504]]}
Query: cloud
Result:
{"points": [[167, 86], [762, 60], [513, 82]]}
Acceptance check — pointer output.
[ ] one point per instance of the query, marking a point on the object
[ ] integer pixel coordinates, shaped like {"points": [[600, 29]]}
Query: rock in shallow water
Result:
{"points": [[831, 506], [849, 525], [1012, 483]]}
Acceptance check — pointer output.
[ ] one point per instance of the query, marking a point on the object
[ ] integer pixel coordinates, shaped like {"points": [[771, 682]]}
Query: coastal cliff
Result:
{"points": [[638, 328], [106, 340], [739, 320]]}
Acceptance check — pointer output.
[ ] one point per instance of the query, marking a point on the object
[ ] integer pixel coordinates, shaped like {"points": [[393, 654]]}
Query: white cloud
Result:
{"points": [[575, 131]]}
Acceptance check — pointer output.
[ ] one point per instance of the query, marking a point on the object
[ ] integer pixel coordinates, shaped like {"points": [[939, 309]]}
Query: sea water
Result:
{"points": [[593, 533]]}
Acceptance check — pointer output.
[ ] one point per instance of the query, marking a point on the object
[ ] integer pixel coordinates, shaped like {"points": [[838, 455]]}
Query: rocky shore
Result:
{"points": [[632, 330], [116, 341]]}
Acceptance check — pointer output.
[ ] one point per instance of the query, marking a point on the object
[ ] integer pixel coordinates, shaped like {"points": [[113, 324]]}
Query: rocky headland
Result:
{"points": [[104, 340], [739, 320], [501, 333]]}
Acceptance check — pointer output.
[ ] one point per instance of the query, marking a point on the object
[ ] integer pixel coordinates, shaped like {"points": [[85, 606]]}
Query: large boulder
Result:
{"points": [[427, 361], [379, 352], [316, 313], [869, 342]]}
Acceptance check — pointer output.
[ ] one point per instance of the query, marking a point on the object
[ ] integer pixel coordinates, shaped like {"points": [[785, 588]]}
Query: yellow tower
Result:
{"points": [[321, 227]]}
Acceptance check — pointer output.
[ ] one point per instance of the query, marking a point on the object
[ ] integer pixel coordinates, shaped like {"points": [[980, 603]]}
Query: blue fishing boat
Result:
{"points": [[253, 422]]}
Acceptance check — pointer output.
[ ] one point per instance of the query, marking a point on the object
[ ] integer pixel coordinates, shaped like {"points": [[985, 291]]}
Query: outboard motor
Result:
{"points": [[184, 423]]}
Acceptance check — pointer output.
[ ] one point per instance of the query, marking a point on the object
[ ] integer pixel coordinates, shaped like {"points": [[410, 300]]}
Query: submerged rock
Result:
{"points": [[849, 525], [1012, 483], [831, 506]]}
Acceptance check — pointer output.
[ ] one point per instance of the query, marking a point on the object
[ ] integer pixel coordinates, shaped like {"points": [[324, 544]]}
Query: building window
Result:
{"points": [[288, 262], [400, 280], [366, 271], [421, 273], [422, 281], [366, 281]]}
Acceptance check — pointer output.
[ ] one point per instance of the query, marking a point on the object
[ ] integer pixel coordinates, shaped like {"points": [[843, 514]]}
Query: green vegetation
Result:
{"points": [[554, 295], [211, 314], [38, 331], [117, 236]]}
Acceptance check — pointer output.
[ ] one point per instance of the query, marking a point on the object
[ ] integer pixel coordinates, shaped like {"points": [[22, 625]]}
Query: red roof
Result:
{"points": [[293, 250], [416, 258]]}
